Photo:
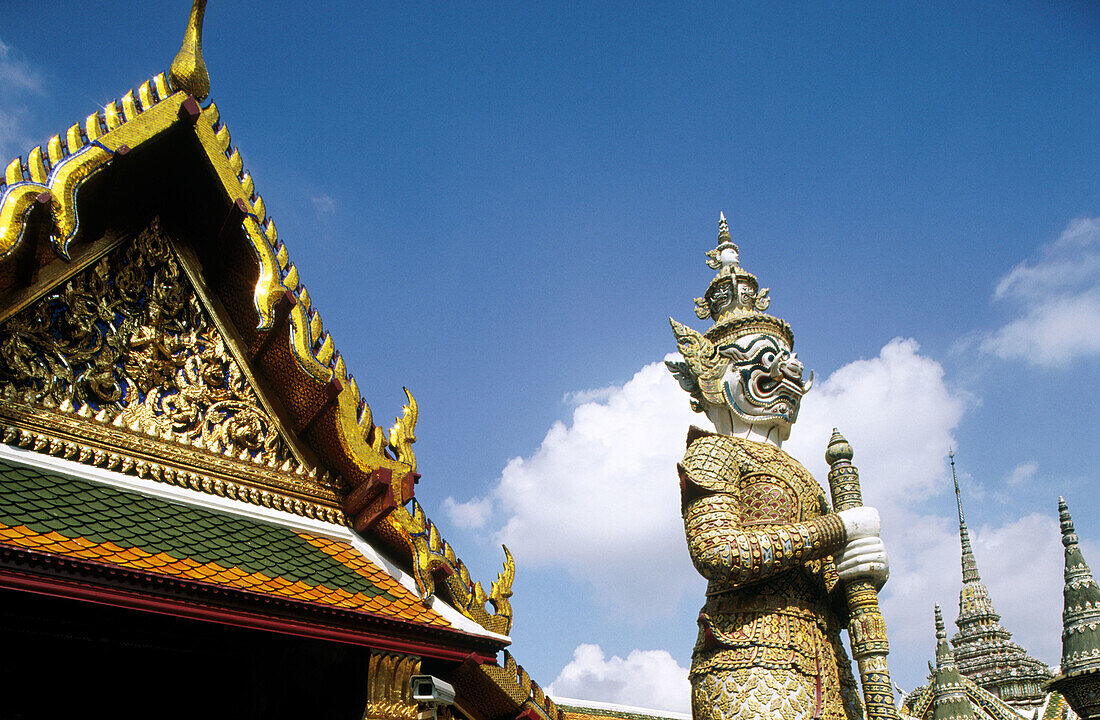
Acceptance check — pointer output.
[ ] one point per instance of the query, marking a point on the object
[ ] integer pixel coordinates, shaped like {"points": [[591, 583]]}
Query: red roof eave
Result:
{"points": [[90, 581]]}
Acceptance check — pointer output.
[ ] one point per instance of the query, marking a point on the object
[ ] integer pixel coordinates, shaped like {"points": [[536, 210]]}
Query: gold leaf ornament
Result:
{"points": [[703, 360]]}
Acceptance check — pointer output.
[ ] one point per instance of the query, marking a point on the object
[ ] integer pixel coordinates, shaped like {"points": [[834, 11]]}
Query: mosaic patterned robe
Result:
{"points": [[759, 530]]}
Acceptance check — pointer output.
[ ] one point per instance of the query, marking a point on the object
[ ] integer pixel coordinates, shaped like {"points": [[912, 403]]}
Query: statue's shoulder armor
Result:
{"points": [[772, 485], [710, 463]]}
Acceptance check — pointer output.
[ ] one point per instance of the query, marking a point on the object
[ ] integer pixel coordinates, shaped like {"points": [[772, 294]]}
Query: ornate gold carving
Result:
{"points": [[749, 694], [435, 561], [389, 695], [700, 374], [125, 349], [129, 340]]}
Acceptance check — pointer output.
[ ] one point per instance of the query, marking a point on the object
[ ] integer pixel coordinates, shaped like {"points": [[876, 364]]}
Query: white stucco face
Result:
{"points": [[763, 385]]}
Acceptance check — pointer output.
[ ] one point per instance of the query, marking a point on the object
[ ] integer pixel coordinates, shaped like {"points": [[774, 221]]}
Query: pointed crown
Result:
{"points": [[734, 299]]}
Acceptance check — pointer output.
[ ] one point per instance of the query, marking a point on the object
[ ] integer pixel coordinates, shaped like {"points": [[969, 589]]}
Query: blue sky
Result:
{"points": [[498, 206]]}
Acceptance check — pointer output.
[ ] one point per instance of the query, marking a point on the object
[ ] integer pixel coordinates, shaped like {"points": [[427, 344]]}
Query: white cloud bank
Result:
{"points": [[1059, 300], [646, 678], [600, 497]]}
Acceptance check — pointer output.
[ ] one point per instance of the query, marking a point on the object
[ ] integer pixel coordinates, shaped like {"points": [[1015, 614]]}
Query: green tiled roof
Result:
{"points": [[100, 514], [48, 512]]}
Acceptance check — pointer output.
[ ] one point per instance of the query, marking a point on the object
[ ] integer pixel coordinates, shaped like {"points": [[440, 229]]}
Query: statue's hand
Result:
{"points": [[864, 557]]}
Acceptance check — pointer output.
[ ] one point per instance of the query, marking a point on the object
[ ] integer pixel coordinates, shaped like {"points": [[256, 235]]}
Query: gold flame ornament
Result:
{"points": [[188, 70]]}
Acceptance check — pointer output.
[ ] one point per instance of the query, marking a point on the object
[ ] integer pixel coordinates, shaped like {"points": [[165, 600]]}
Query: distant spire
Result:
{"points": [[723, 228], [1081, 616], [944, 656], [950, 701], [188, 71], [969, 564]]}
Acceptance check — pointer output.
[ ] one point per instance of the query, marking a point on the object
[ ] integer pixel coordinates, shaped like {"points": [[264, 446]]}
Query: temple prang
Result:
{"points": [[983, 648]]}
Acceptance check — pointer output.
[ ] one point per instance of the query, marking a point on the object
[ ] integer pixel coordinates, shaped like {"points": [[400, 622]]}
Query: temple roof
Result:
{"points": [[304, 511], [158, 152]]}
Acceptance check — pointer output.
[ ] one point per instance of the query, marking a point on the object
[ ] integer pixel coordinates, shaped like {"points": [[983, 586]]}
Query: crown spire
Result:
{"points": [[723, 229], [188, 70], [734, 296], [969, 564]]}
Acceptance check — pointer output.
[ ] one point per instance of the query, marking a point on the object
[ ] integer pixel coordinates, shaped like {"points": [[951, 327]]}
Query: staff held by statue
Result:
{"points": [[866, 626]]}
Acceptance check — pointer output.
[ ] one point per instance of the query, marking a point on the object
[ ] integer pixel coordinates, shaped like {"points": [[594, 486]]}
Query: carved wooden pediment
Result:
{"points": [[126, 361]]}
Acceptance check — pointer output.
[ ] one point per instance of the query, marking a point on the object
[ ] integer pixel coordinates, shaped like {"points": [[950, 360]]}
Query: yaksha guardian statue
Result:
{"points": [[758, 525]]}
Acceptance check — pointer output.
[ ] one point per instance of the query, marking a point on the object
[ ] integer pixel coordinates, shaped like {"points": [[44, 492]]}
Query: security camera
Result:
{"points": [[431, 690]]}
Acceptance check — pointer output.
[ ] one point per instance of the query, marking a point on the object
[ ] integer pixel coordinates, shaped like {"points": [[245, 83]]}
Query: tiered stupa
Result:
{"points": [[1079, 679], [984, 649]]}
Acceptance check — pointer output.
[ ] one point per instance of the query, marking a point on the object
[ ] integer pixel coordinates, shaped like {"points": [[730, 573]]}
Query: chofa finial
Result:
{"points": [[188, 71]]}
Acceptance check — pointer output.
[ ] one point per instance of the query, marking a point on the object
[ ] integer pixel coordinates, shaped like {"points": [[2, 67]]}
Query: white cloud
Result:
{"points": [[17, 80], [581, 397], [323, 204], [898, 414], [1059, 298], [1023, 473], [471, 515], [600, 497], [646, 678]]}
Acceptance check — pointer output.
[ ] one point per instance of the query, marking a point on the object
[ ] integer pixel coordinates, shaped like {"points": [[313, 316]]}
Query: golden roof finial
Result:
{"points": [[188, 70]]}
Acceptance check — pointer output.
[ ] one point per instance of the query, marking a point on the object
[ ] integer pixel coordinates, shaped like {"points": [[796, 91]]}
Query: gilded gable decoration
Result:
{"points": [[128, 342], [188, 70]]}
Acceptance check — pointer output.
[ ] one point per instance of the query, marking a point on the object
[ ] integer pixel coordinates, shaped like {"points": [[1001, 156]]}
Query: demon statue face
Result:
{"points": [[747, 382], [763, 382]]}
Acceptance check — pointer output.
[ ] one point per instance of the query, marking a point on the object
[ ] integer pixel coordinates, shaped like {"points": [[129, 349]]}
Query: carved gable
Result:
{"points": [[125, 358]]}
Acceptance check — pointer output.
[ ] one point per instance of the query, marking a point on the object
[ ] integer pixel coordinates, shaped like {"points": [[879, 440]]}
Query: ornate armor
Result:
{"points": [[759, 529]]}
